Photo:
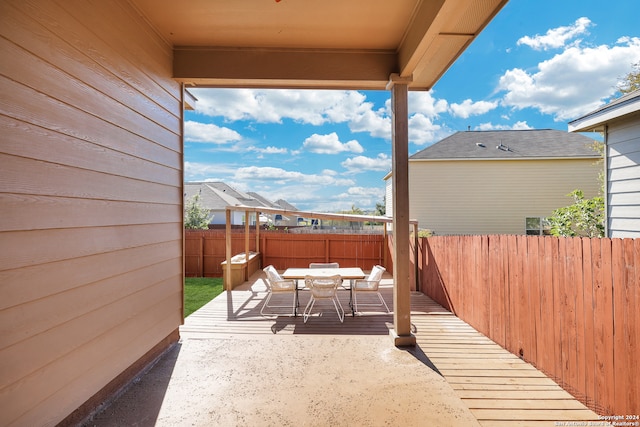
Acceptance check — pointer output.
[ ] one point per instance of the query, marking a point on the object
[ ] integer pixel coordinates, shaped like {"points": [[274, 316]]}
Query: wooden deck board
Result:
{"points": [[517, 414], [499, 388], [528, 404], [519, 423], [504, 387]]}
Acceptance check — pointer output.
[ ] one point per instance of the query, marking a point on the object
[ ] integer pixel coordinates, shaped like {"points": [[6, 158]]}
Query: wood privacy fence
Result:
{"points": [[205, 250], [569, 306]]}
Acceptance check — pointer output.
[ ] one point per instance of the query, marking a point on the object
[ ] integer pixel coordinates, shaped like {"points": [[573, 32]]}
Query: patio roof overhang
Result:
{"points": [[327, 44], [316, 44]]}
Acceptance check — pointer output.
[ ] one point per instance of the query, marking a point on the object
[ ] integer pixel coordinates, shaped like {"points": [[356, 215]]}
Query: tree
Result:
{"points": [[585, 218], [381, 208], [354, 211], [631, 81], [195, 216]]}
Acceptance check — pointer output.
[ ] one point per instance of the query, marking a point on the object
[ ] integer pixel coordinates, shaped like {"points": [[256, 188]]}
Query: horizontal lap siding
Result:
{"points": [[90, 200], [494, 196], [623, 158]]}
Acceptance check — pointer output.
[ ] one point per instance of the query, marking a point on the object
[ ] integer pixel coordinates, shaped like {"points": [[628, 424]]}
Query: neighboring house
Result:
{"points": [[498, 182], [287, 220], [216, 196], [619, 121], [279, 219]]}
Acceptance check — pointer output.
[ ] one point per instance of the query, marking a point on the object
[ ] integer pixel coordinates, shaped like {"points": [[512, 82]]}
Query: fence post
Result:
{"points": [[326, 250], [201, 260]]}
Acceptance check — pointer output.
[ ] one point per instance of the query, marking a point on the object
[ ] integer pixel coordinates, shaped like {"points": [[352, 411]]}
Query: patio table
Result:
{"points": [[348, 273]]}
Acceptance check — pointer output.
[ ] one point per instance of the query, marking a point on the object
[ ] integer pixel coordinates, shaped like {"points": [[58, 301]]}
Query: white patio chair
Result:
{"points": [[277, 285], [324, 265], [369, 285], [323, 288]]}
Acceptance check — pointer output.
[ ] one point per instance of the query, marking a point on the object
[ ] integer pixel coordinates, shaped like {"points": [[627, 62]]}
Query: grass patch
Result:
{"points": [[200, 290]]}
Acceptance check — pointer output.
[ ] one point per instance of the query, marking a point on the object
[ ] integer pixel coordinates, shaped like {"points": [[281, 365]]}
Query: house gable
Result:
{"points": [[489, 182], [619, 121], [510, 144], [216, 196]]}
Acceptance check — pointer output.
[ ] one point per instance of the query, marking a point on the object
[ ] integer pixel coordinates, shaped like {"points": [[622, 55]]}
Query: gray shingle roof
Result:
{"points": [[262, 200], [594, 121], [509, 144], [627, 98], [218, 195], [286, 205], [210, 198]]}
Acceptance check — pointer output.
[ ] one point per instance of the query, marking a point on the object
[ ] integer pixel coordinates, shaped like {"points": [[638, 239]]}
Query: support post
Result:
{"points": [[247, 228], [385, 244], [227, 246], [401, 332], [258, 232], [416, 253]]}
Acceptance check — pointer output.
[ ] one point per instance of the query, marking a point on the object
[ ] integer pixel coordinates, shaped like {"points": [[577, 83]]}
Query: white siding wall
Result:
{"points": [[388, 194], [494, 197], [90, 202], [623, 195]]}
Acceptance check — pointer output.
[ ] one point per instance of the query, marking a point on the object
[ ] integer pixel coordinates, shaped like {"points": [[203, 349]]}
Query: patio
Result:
{"points": [[234, 367]]}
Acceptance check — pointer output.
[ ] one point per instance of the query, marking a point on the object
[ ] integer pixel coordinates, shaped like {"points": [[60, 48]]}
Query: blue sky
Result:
{"points": [[538, 65]]}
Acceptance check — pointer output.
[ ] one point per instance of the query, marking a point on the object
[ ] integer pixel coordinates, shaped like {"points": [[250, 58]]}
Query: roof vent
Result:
{"points": [[480, 144], [502, 147]]}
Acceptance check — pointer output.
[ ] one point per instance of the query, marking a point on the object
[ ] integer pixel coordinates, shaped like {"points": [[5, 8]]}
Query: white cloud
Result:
{"points": [[204, 171], [330, 144], [281, 176], [310, 197], [522, 125], [297, 194], [314, 107], [368, 192], [318, 107], [424, 103], [422, 130], [556, 37], [573, 82], [423, 109], [375, 123], [360, 197], [469, 108], [209, 133], [362, 164], [268, 150]]}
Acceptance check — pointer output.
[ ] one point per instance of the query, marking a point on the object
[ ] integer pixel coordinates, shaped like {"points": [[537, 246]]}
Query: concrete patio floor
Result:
{"points": [[233, 367]]}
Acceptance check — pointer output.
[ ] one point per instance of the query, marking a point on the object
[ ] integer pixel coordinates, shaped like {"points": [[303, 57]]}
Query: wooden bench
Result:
{"points": [[241, 270]]}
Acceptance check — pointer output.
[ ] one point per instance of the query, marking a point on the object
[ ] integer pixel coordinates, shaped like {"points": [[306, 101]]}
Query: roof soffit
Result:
{"points": [[625, 106], [316, 44]]}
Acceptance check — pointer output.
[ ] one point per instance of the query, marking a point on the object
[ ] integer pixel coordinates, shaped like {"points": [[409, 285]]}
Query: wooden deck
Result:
{"points": [[499, 388]]}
